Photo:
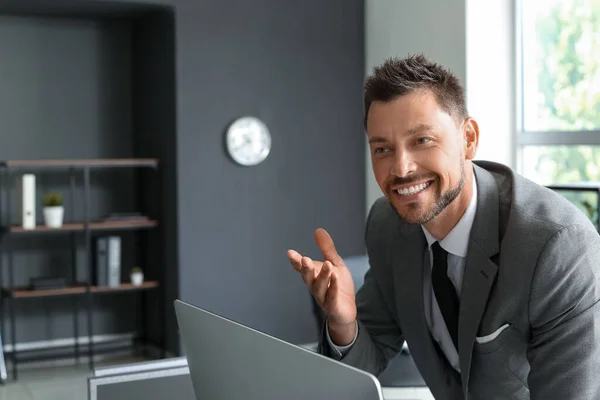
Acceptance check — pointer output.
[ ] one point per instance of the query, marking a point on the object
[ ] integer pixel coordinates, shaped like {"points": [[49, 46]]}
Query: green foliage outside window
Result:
{"points": [[562, 91]]}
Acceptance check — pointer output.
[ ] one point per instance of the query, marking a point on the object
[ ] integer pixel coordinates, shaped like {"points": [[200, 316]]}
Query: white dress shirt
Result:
{"points": [[455, 243]]}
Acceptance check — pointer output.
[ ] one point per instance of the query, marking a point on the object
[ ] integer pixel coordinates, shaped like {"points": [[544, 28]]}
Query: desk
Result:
{"points": [[407, 394]]}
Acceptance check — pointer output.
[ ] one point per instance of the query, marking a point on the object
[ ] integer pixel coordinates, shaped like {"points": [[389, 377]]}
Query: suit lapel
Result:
{"points": [[480, 271], [409, 250]]}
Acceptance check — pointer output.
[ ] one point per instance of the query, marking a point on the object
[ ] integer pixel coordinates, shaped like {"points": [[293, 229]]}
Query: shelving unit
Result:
{"points": [[11, 293]]}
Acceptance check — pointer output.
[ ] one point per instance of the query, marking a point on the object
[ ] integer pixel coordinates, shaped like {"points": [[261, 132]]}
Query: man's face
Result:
{"points": [[418, 154]]}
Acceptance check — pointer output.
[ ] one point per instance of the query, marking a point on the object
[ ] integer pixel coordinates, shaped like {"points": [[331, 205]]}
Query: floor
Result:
{"points": [[66, 381]]}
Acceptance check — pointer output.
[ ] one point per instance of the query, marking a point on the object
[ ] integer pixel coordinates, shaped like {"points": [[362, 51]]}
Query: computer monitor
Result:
{"points": [[230, 361], [584, 195]]}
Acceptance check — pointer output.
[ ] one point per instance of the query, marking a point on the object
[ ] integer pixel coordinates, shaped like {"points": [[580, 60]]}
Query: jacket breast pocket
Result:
{"points": [[489, 341], [499, 365]]}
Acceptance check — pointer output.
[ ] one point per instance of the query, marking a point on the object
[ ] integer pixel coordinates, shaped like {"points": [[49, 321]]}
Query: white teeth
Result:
{"points": [[412, 189]]}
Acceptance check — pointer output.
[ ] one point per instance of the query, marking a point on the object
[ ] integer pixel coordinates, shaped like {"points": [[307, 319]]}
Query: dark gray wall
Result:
{"points": [[65, 93], [299, 67]]}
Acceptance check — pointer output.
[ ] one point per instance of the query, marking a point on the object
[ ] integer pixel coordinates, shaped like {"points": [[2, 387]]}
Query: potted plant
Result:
{"points": [[137, 276], [53, 210]]}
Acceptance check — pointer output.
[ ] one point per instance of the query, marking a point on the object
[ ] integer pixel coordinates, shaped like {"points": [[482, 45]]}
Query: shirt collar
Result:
{"points": [[457, 240]]}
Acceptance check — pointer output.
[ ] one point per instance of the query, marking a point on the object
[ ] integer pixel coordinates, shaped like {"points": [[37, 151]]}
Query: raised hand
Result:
{"points": [[330, 283]]}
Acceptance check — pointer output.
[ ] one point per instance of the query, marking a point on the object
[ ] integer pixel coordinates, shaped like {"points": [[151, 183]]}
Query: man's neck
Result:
{"points": [[445, 221]]}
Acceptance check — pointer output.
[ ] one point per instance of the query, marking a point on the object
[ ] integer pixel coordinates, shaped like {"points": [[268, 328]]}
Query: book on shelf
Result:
{"points": [[108, 261], [47, 283]]}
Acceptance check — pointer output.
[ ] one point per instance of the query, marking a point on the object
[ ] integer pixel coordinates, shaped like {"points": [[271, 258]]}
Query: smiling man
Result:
{"points": [[493, 281]]}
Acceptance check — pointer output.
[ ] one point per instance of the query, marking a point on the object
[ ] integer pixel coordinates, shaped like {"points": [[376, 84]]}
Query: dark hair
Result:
{"points": [[397, 77]]}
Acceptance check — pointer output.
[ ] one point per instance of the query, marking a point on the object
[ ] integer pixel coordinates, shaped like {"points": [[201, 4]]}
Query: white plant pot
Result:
{"points": [[137, 278], [53, 216]]}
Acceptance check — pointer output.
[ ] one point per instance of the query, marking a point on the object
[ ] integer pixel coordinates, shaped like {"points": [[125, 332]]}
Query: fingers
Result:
{"points": [[321, 283], [309, 271], [308, 268], [317, 275], [295, 259], [325, 243]]}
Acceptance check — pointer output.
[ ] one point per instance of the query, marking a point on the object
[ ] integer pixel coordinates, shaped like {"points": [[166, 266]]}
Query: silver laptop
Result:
{"points": [[230, 361]]}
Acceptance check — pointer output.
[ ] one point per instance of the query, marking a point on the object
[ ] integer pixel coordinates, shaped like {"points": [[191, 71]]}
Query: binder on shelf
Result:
{"points": [[28, 201], [108, 261], [114, 261]]}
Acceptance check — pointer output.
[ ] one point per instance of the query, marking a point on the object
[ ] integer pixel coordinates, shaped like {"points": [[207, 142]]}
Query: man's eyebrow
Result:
{"points": [[419, 129], [411, 132], [376, 139]]}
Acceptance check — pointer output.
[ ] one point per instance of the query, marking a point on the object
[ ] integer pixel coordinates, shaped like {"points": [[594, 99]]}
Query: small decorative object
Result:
{"points": [[53, 210], [248, 141], [137, 276]]}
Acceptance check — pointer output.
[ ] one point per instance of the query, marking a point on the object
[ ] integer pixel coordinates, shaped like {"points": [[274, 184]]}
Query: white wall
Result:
{"points": [[491, 66], [473, 38]]}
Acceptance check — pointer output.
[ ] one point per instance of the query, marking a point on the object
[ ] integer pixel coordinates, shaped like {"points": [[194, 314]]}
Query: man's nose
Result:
{"points": [[404, 164]]}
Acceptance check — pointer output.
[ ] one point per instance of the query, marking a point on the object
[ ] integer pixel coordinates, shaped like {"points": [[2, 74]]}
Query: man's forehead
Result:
{"points": [[403, 111], [407, 117]]}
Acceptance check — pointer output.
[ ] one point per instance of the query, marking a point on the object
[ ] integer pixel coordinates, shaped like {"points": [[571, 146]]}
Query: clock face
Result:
{"points": [[248, 141]]}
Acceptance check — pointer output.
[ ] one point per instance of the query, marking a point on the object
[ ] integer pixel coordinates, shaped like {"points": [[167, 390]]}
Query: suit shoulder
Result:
{"points": [[542, 206], [381, 208], [530, 209], [380, 214]]}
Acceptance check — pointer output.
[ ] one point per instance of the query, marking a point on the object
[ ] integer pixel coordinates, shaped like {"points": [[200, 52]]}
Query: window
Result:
{"points": [[559, 96], [559, 121]]}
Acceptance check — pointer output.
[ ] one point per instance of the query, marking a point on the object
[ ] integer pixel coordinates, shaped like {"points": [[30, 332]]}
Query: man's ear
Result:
{"points": [[471, 135]]}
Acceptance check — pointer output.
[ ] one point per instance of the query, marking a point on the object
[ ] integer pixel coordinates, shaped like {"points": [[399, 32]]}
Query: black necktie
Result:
{"points": [[444, 291]]}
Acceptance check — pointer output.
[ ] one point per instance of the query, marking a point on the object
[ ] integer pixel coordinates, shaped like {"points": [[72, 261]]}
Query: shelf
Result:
{"points": [[24, 292], [96, 162], [125, 287], [94, 226]]}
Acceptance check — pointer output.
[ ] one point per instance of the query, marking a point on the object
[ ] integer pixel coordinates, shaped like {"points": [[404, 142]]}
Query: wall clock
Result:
{"points": [[248, 141]]}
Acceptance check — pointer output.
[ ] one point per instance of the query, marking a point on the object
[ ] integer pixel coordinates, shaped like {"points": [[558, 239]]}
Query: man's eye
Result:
{"points": [[380, 150], [423, 140]]}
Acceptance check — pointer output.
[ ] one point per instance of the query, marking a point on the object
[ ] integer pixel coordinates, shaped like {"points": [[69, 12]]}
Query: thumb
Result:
{"points": [[327, 247]]}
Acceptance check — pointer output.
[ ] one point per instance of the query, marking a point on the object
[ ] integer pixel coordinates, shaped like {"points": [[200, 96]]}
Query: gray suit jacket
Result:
{"points": [[529, 325]]}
